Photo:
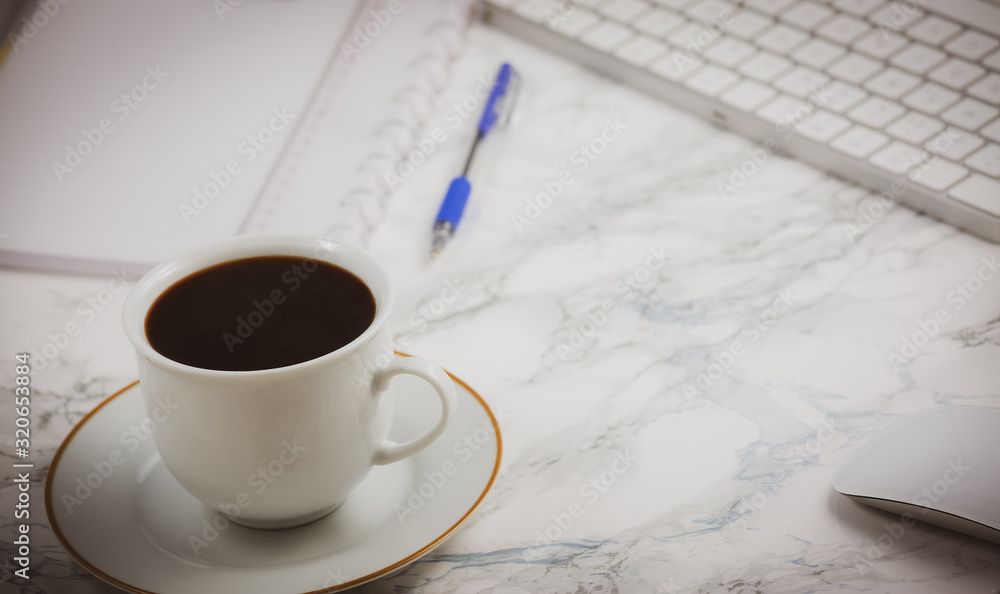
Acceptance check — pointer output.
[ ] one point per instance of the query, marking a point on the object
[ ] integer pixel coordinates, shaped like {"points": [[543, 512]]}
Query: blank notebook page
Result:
{"points": [[198, 87]]}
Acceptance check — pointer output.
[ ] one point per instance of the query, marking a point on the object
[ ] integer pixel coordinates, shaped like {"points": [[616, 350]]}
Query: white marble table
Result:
{"points": [[583, 322]]}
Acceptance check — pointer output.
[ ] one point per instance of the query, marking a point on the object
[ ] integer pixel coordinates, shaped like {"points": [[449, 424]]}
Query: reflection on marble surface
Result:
{"points": [[682, 372]]}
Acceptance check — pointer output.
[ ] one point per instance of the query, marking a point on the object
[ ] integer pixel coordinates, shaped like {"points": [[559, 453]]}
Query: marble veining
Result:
{"points": [[587, 324]]}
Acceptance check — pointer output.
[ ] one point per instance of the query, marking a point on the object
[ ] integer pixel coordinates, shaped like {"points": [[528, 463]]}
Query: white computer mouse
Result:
{"points": [[940, 466]]}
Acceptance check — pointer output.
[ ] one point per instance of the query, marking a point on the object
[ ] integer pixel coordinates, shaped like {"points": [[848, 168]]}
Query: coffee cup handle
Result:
{"points": [[389, 451]]}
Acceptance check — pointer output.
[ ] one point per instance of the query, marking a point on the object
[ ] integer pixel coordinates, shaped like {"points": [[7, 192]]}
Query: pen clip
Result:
{"points": [[510, 99], [499, 102]]}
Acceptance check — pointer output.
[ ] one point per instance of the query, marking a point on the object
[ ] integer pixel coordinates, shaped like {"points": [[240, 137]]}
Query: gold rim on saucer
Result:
{"points": [[96, 571]]}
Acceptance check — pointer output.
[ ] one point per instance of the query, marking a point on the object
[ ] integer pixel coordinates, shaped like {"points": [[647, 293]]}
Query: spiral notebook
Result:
{"points": [[133, 132]]}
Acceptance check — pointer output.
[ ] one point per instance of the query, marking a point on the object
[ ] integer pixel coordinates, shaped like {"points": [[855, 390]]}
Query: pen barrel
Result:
{"points": [[454, 201]]}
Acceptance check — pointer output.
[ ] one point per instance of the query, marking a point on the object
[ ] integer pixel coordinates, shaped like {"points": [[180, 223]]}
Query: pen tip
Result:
{"points": [[434, 254]]}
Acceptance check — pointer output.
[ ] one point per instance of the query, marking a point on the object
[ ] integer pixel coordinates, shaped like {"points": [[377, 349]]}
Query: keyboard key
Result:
{"points": [[898, 16], [607, 36], [658, 23], [876, 112], [987, 89], [675, 66], [806, 15], [969, 114], [780, 39], [784, 108], [747, 24], [930, 98], [986, 160], [938, 174], [933, 30], [710, 11], [955, 144], [817, 53], [624, 11], [641, 51], [971, 45], [843, 29], [892, 83], [575, 22], [801, 82], [674, 4], [729, 52], [859, 142], [823, 125], [898, 158], [993, 60], [918, 58], [748, 95], [694, 36], [980, 192], [858, 8], [711, 80], [992, 131], [914, 128], [855, 68], [956, 73], [765, 66], [771, 7], [880, 44], [839, 97]]}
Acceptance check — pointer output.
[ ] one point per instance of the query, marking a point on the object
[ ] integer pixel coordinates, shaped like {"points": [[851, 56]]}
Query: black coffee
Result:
{"points": [[259, 313]]}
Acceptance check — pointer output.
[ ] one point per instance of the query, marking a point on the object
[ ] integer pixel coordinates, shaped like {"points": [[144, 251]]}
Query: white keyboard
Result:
{"points": [[901, 97]]}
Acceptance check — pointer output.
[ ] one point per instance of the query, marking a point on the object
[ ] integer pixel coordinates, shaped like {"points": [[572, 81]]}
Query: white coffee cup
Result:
{"points": [[277, 448]]}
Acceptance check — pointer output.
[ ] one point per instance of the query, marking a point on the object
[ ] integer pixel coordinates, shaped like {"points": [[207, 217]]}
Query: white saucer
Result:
{"points": [[134, 529]]}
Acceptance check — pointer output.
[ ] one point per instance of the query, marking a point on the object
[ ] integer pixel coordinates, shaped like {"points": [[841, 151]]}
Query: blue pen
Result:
{"points": [[496, 114]]}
